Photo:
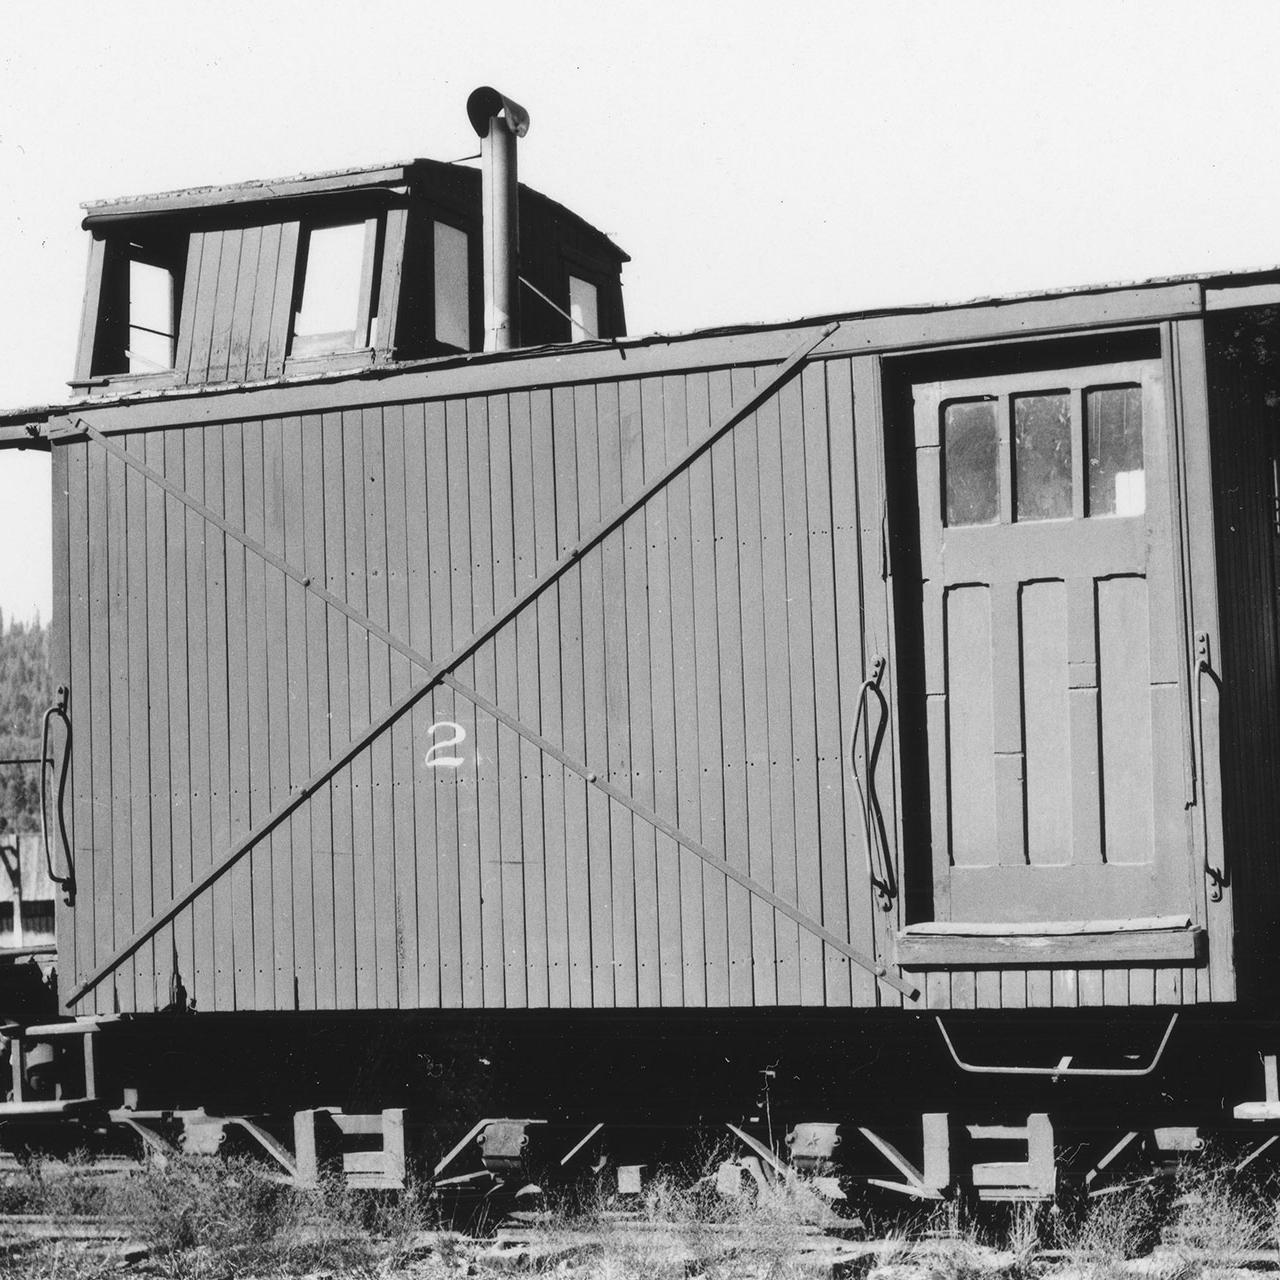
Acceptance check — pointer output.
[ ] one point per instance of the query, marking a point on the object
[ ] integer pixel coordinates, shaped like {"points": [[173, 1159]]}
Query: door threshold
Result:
{"points": [[1064, 943]]}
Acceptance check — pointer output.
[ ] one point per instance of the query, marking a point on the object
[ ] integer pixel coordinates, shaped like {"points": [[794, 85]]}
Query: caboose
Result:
{"points": [[864, 727]]}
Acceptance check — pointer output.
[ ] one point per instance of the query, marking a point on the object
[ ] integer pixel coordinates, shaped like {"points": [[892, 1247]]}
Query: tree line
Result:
{"points": [[26, 692]]}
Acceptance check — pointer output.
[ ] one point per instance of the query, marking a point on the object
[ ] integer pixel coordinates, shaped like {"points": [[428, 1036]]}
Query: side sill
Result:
{"points": [[926, 947], [329, 361], [123, 384]]}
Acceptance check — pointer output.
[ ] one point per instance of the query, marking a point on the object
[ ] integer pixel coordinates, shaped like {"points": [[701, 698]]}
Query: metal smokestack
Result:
{"points": [[499, 122]]}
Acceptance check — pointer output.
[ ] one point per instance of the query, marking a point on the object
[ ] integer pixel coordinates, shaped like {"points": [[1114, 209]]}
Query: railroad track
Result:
{"points": [[703, 1247], [32, 1236], [48, 1226], [517, 1247]]}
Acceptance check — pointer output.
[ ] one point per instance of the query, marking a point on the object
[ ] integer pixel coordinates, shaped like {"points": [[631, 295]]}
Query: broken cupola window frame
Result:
{"points": [[137, 321]]}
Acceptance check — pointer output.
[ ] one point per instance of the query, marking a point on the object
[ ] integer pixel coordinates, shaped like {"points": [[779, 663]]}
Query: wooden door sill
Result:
{"points": [[960, 944]]}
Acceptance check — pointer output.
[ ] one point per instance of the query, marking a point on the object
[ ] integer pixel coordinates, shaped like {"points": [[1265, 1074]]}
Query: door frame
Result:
{"points": [[1203, 943]]}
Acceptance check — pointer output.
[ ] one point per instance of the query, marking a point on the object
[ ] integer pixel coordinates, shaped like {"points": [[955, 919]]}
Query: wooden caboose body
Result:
{"points": [[405, 677]]}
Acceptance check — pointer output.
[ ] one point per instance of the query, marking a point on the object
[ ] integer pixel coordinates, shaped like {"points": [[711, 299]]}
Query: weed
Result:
{"points": [[1216, 1220], [1101, 1233], [1024, 1235], [205, 1220], [213, 1220], [61, 1188], [680, 1226]]}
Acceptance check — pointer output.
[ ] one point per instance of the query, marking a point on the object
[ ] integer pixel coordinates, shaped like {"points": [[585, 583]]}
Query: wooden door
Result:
{"points": [[1054, 647]]}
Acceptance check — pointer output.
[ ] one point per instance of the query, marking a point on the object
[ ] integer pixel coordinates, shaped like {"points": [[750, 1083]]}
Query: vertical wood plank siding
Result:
{"points": [[705, 657], [1243, 350], [74, 606], [60, 474]]}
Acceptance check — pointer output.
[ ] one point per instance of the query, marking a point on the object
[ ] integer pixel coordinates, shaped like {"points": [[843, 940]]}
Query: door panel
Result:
{"points": [[1043, 618], [1054, 646]]}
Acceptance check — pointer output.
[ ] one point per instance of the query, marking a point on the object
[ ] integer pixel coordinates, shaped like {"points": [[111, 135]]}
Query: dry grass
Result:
{"points": [[1100, 1237], [675, 1229], [209, 1220], [198, 1219], [1216, 1222]]}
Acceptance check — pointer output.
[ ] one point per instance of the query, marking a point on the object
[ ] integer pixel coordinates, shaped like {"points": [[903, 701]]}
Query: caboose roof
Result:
{"points": [[397, 175], [391, 175], [1117, 303]]}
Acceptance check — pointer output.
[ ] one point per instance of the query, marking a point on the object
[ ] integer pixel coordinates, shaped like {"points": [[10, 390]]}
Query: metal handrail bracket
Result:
{"points": [[880, 868], [67, 882]]}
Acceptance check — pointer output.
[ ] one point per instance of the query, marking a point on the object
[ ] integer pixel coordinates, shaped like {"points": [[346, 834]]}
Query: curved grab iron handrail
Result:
{"points": [[67, 882], [978, 1069], [1217, 876], [880, 868]]}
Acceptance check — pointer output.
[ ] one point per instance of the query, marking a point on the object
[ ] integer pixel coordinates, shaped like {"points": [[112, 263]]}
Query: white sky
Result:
{"points": [[758, 161]]}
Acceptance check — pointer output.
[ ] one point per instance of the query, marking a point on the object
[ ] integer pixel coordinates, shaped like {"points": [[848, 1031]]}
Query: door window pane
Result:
{"points": [[970, 461], [1117, 482], [1042, 456], [452, 287]]}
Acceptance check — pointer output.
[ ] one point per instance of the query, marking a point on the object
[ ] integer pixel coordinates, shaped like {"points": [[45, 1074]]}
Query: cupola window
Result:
{"points": [[452, 287], [137, 323], [337, 306], [584, 310], [153, 320]]}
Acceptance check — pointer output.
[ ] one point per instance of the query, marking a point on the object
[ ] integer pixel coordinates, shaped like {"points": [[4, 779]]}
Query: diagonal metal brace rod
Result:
{"points": [[686, 841], [553, 572], [297, 797], [438, 673], [260, 549]]}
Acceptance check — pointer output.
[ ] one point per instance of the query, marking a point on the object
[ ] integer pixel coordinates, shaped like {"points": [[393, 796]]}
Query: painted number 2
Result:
{"points": [[434, 759]]}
